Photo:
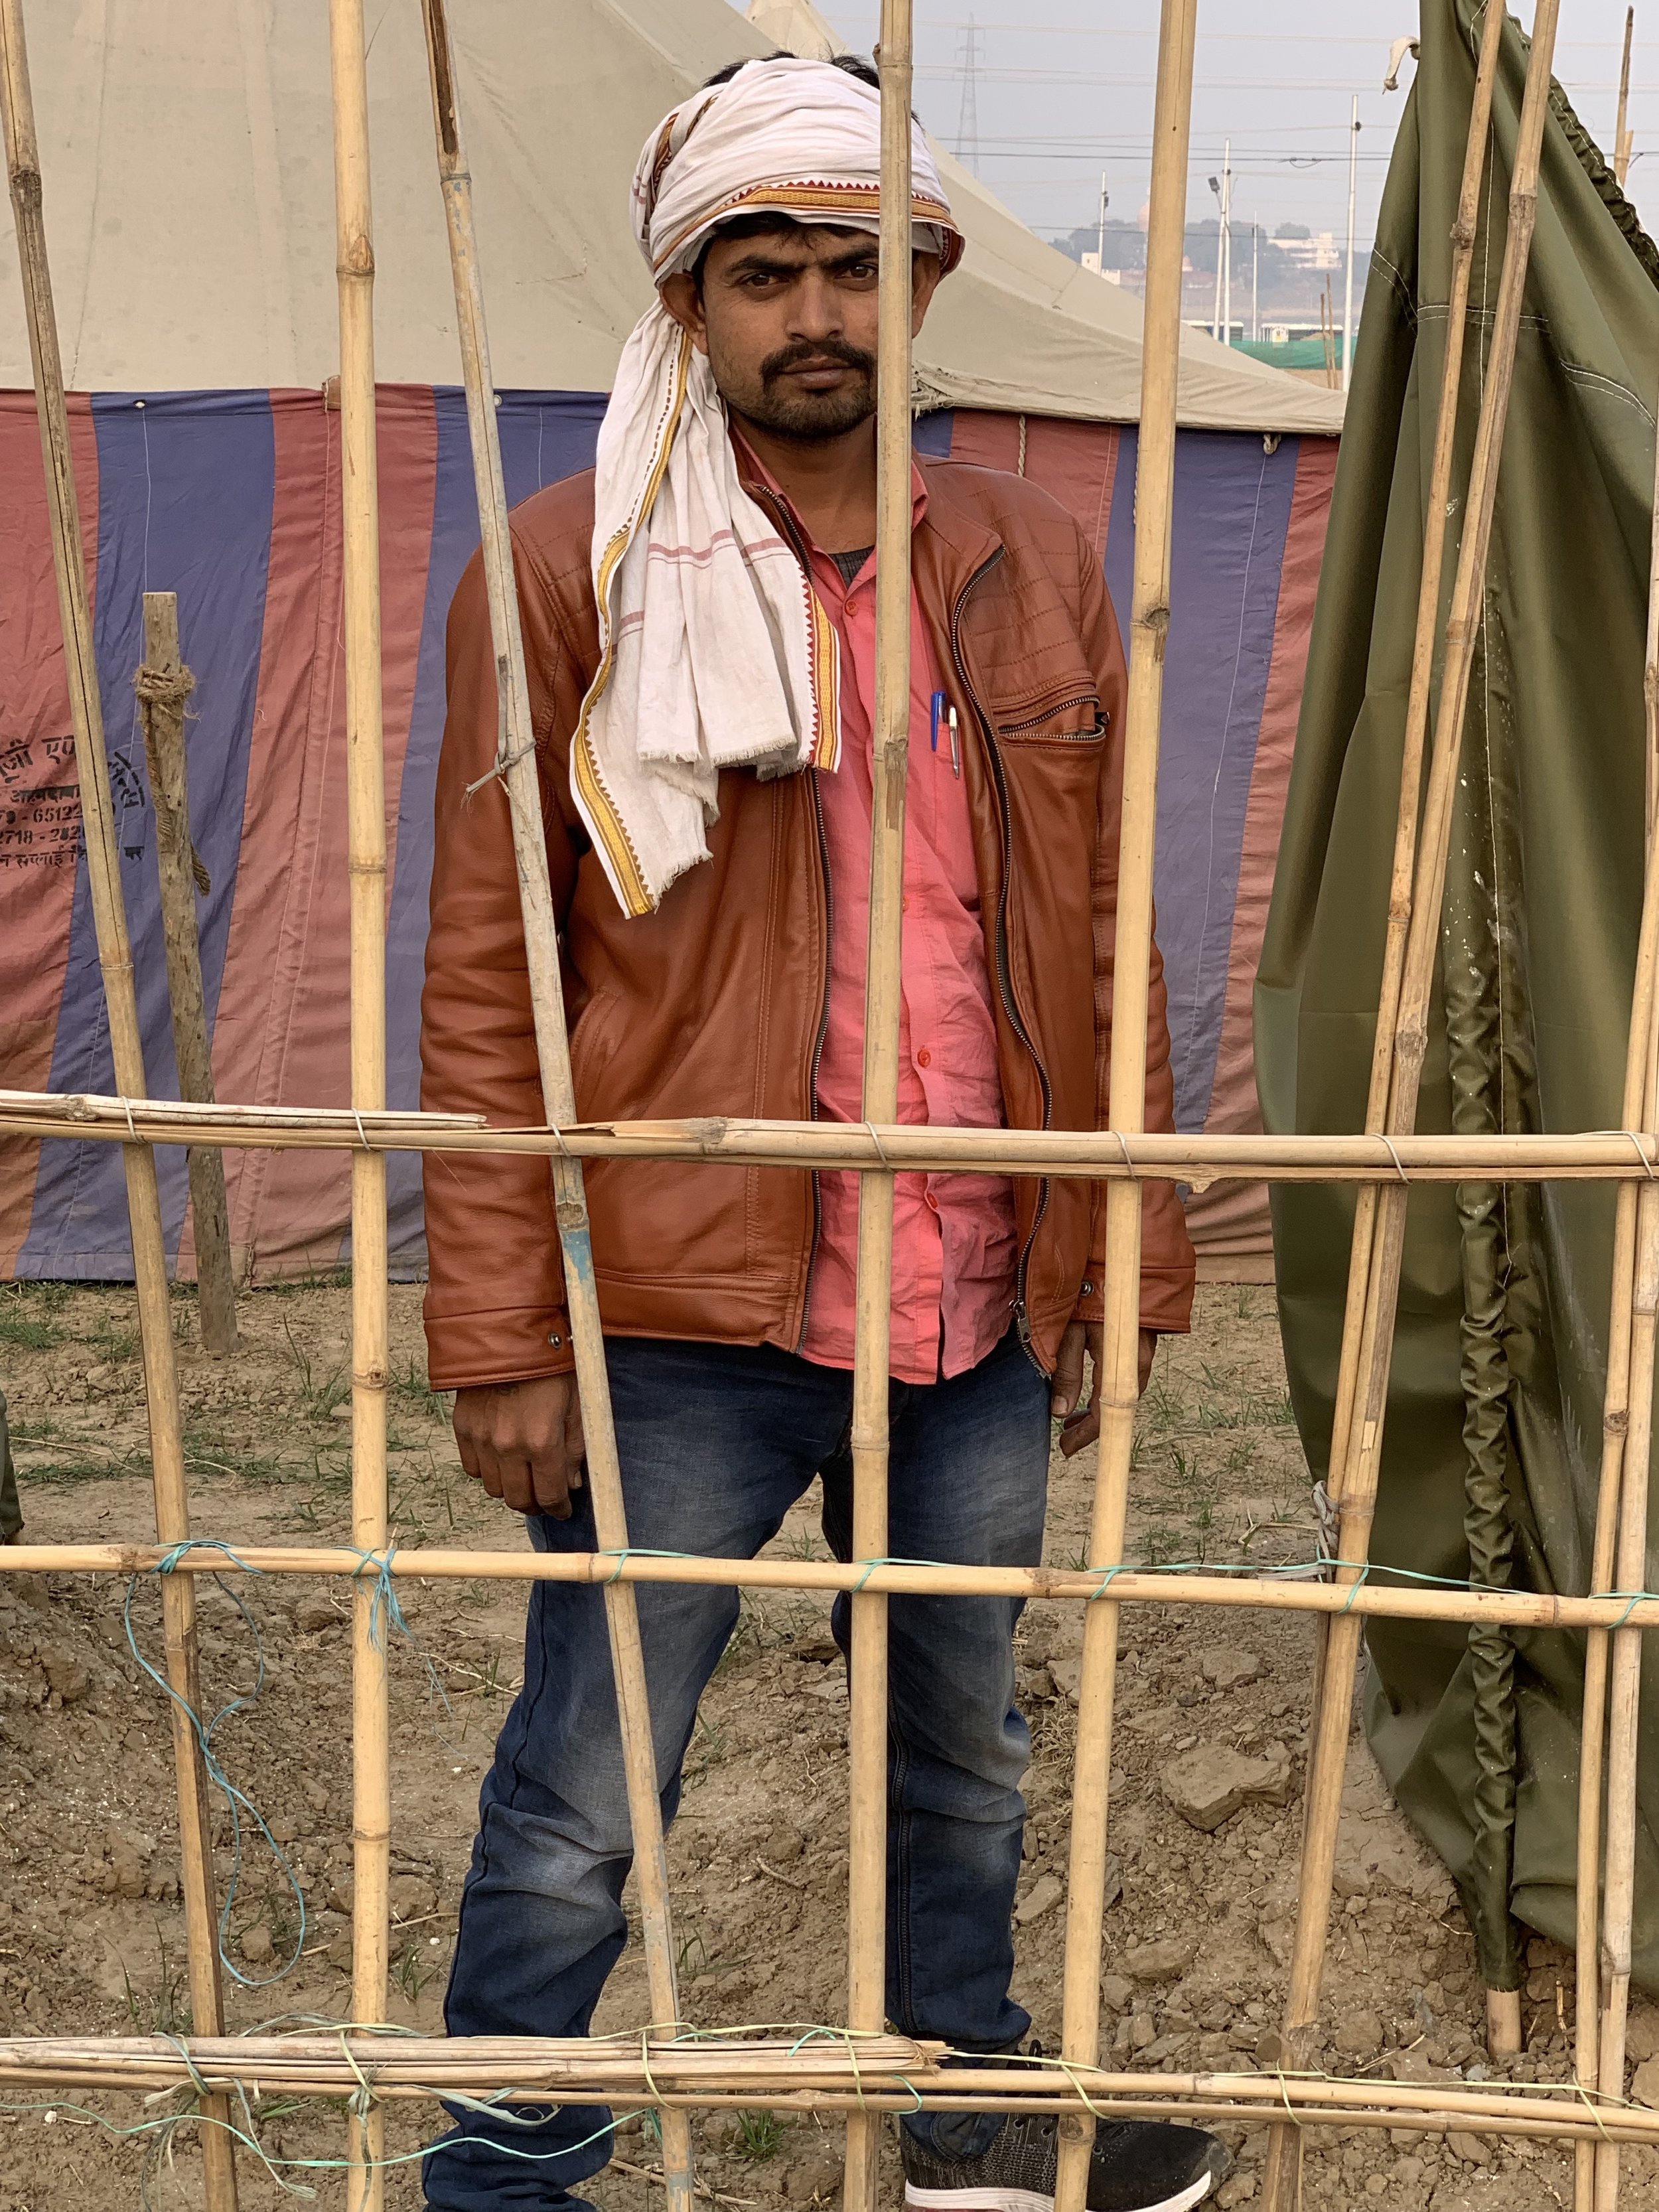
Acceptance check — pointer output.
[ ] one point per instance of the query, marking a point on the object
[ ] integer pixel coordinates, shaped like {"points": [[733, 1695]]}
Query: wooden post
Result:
{"points": [[867, 1751], [163, 684], [1623, 140], [115, 962], [1329, 1758], [365, 838], [1117, 1390], [518, 770]]}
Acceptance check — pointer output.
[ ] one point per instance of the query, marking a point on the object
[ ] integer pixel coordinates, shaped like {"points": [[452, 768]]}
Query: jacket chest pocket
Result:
{"points": [[1070, 716]]}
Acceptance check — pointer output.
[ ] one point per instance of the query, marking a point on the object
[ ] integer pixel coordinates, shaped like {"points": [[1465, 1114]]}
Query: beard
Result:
{"points": [[771, 398]]}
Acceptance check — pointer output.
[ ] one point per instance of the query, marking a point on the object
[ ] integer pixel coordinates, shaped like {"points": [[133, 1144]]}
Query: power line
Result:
{"points": [[937, 69], [1231, 38], [1310, 84]]}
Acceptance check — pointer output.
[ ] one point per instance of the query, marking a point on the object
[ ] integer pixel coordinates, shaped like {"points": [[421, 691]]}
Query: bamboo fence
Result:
{"points": [[859, 2070]]}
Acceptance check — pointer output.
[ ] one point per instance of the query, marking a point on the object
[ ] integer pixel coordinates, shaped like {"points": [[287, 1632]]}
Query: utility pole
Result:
{"points": [[1222, 186], [1256, 289], [1347, 300], [1622, 138], [968, 116], [1215, 317], [1227, 242], [1100, 242]]}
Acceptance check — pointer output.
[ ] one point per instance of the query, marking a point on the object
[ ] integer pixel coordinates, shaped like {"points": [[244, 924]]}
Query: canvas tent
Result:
{"points": [[1494, 1433], [188, 185]]}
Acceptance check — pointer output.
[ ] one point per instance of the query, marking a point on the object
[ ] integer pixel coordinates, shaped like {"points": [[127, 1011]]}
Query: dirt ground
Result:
{"points": [[1197, 1934]]}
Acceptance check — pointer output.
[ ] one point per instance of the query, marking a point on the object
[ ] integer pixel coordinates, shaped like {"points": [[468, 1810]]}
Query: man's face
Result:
{"points": [[788, 322]]}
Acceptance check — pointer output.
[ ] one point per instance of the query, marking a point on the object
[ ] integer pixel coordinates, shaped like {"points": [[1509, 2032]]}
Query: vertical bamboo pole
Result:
{"points": [[1638, 1109], [1626, 1685], [1622, 141], [866, 1944], [1436, 515], [519, 777], [115, 963], [163, 685], [1329, 1758], [1417, 723], [1117, 1388], [371, 1819], [1624, 1498]]}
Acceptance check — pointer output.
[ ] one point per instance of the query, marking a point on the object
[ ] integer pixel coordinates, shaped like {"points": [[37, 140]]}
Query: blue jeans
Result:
{"points": [[717, 1442]]}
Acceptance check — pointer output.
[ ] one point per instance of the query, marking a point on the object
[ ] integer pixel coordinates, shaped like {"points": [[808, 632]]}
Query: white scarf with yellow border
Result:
{"points": [[714, 653]]}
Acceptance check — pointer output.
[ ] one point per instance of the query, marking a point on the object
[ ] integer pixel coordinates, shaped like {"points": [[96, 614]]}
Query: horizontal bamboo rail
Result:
{"points": [[1267, 1590], [815, 2070], [1102, 1155]]}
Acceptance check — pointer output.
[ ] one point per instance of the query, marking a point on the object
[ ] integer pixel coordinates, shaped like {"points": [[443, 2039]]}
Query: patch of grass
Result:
{"points": [[112, 1345], [160, 2006], [321, 1393], [760, 2137], [1163, 1409], [412, 1970], [330, 1466], [57, 1471], [1187, 1472], [43, 1297], [409, 1384], [25, 1333], [311, 1279], [1163, 1543], [206, 1452]]}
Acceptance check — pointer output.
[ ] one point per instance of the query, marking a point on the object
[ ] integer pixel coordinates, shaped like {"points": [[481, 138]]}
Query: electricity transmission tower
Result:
{"points": [[967, 119]]}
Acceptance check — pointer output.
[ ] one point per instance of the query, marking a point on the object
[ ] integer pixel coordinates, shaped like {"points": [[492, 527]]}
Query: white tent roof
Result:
{"points": [[187, 169]]}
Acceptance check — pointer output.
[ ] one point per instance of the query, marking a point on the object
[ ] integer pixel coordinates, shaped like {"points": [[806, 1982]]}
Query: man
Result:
{"points": [[699, 633]]}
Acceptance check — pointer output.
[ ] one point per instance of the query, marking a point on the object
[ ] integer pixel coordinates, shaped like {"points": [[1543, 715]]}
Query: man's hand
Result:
{"points": [[1076, 1429], [522, 1441]]}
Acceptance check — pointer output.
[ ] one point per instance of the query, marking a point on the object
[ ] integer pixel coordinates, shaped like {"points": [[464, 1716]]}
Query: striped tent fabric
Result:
{"points": [[231, 500]]}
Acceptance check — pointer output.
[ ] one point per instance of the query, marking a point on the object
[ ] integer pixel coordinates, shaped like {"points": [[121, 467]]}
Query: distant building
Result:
{"points": [[1091, 262], [1321, 252]]}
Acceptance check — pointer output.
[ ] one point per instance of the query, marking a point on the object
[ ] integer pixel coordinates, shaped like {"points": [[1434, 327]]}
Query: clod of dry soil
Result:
{"points": [[1206, 1781]]}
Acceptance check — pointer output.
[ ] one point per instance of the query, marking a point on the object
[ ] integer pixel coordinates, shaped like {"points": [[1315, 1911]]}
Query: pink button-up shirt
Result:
{"points": [[955, 1252]]}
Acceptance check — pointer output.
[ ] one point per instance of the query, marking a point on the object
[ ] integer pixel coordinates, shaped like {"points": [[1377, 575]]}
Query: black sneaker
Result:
{"points": [[1138, 2165]]}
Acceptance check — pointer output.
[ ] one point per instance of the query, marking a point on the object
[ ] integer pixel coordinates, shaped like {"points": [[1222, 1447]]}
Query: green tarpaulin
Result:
{"points": [[1493, 1431]]}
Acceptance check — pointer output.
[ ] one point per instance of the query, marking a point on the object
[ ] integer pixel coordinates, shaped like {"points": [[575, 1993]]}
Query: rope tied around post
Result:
{"points": [[163, 687], [507, 756]]}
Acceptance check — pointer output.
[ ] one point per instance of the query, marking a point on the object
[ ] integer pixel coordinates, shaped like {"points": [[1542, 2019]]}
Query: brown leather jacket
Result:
{"points": [[714, 1004]]}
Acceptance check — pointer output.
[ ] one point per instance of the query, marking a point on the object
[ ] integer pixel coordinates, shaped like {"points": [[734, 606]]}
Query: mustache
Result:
{"points": [[818, 352]]}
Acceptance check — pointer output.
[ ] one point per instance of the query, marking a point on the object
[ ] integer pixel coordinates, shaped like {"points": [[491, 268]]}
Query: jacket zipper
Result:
{"points": [[1061, 736], [1005, 979], [818, 1047], [787, 524]]}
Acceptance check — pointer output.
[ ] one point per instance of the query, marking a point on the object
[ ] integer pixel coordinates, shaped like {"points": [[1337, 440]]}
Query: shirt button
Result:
{"points": [[924, 1057]]}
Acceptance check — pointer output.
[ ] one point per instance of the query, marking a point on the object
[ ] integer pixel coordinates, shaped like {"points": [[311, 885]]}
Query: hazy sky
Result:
{"points": [[1065, 90]]}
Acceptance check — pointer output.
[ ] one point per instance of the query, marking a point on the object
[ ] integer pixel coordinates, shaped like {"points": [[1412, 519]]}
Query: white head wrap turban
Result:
{"points": [[714, 651]]}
